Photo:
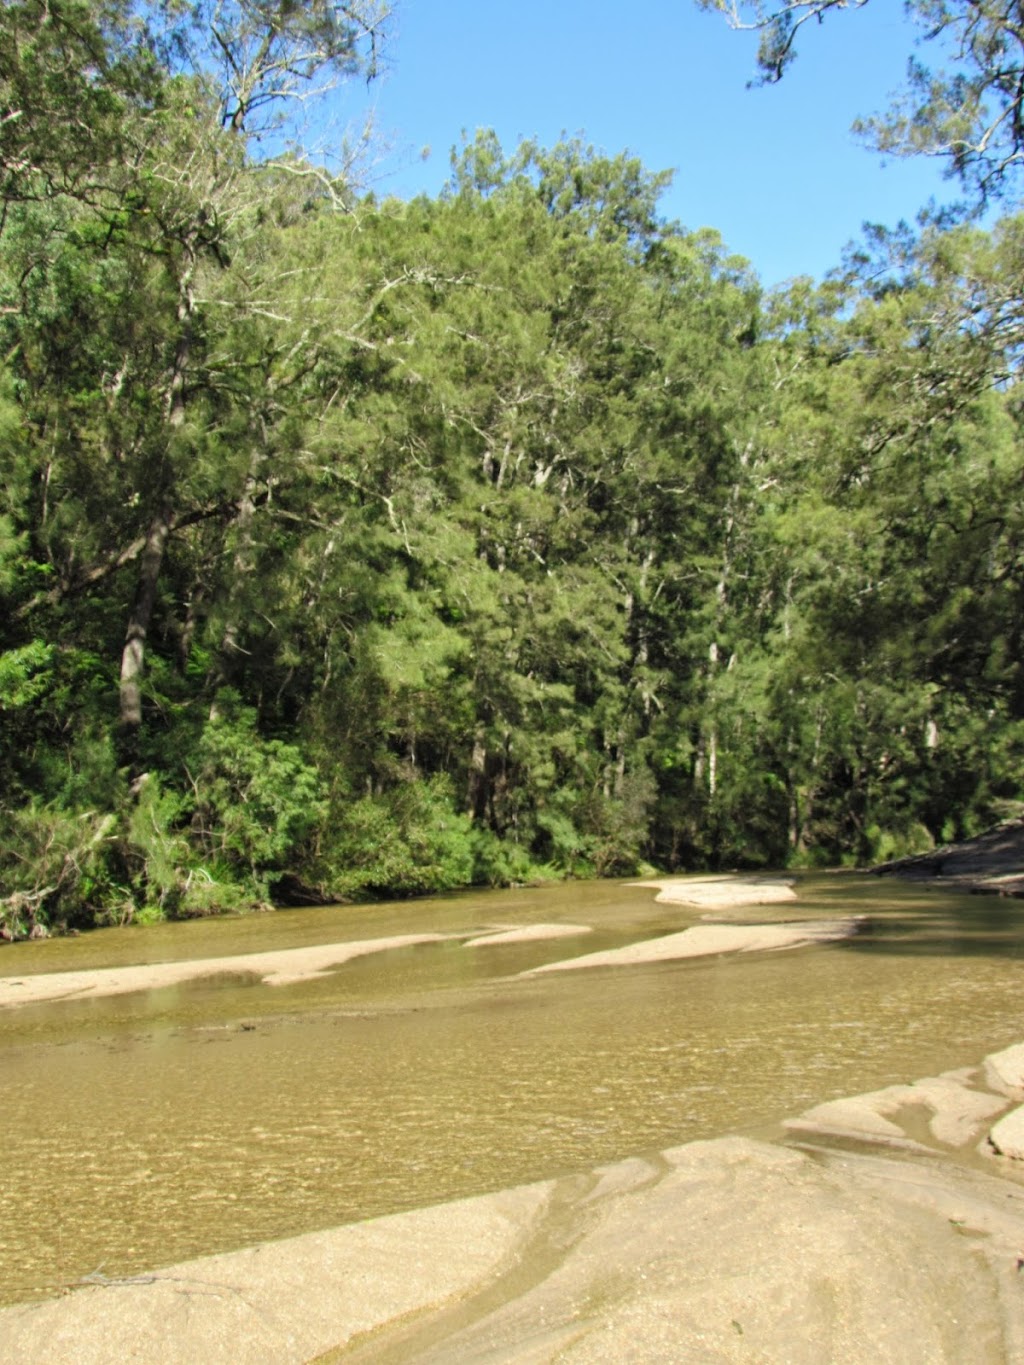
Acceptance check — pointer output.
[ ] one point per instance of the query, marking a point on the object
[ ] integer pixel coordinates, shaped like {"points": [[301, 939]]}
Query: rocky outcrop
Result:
{"points": [[992, 863], [949, 1110], [1007, 1136]]}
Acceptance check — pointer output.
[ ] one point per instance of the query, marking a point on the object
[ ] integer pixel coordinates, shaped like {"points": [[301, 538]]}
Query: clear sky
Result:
{"points": [[775, 170]]}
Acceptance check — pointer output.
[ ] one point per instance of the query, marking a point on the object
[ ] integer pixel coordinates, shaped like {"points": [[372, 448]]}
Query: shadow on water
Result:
{"points": [[911, 920]]}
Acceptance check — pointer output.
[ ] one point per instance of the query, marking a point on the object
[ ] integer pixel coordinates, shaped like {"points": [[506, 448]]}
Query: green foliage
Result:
{"points": [[54, 867], [25, 674], [503, 862], [405, 843], [156, 853], [254, 800], [508, 535]]}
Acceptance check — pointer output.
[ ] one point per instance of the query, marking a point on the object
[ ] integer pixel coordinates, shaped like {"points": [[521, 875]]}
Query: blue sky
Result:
{"points": [[775, 170]]}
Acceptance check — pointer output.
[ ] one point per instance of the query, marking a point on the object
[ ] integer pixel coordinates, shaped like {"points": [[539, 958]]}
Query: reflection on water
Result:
{"points": [[143, 1129]]}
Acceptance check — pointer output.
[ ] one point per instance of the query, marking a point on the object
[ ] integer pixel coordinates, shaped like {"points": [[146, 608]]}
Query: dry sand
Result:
{"points": [[527, 933], [724, 891], [704, 940], [285, 966]]}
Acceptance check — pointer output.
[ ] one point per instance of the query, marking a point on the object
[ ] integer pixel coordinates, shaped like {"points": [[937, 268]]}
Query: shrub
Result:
{"points": [[54, 863], [407, 841], [255, 799]]}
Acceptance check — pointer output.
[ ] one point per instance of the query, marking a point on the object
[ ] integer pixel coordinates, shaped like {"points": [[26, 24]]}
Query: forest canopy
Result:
{"points": [[354, 546]]}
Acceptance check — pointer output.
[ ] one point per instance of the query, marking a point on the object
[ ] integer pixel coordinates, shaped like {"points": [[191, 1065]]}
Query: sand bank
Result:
{"points": [[285, 966], [724, 891], [279, 968], [528, 933], [704, 940]]}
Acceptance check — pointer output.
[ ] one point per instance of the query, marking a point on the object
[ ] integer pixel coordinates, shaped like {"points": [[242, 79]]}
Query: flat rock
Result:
{"points": [[730, 1251], [1004, 1071], [1007, 1136], [280, 1303], [956, 1113], [993, 860]]}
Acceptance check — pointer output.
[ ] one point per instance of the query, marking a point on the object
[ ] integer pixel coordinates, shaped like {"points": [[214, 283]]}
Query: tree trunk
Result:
{"points": [[476, 796], [133, 656]]}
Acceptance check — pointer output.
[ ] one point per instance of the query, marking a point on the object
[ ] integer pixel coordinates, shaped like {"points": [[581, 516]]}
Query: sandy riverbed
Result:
{"points": [[278, 968]]}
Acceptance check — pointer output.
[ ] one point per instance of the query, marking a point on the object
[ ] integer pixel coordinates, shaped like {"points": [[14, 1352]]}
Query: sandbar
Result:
{"points": [[725, 890], [281, 967], [528, 933], [703, 940]]}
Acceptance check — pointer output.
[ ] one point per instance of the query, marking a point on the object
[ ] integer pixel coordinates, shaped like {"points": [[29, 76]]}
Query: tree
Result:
{"points": [[261, 58], [549, 377], [875, 619], [145, 398], [968, 109], [75, 86], [174, 208]]}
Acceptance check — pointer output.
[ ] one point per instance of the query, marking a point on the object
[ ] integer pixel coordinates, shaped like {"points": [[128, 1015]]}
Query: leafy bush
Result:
{"points": [[255, 800], [503, 862], [55, 863], [155, 851], [405, 842]]}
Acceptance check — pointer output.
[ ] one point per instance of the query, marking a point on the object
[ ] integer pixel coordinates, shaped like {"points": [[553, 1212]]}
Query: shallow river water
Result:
{"points": [[143, 1129]]}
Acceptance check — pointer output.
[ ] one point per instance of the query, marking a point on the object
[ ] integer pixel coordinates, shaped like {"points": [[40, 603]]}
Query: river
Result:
{"points": [[147, 1128]]}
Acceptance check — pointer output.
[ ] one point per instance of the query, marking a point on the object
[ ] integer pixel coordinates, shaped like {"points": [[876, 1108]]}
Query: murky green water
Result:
{"points": [[143, 1129]]}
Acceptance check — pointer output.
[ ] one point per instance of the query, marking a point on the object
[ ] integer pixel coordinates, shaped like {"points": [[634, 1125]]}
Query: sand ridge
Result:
{"points": [[727, 890], [705, 940]]}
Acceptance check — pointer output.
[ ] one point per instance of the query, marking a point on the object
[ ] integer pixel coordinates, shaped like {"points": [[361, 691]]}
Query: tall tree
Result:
{"points": [[967, 109]]}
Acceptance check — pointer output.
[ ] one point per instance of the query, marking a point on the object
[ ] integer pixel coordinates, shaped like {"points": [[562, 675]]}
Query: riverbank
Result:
{"points": [[992, 863], [870, 1233]]}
